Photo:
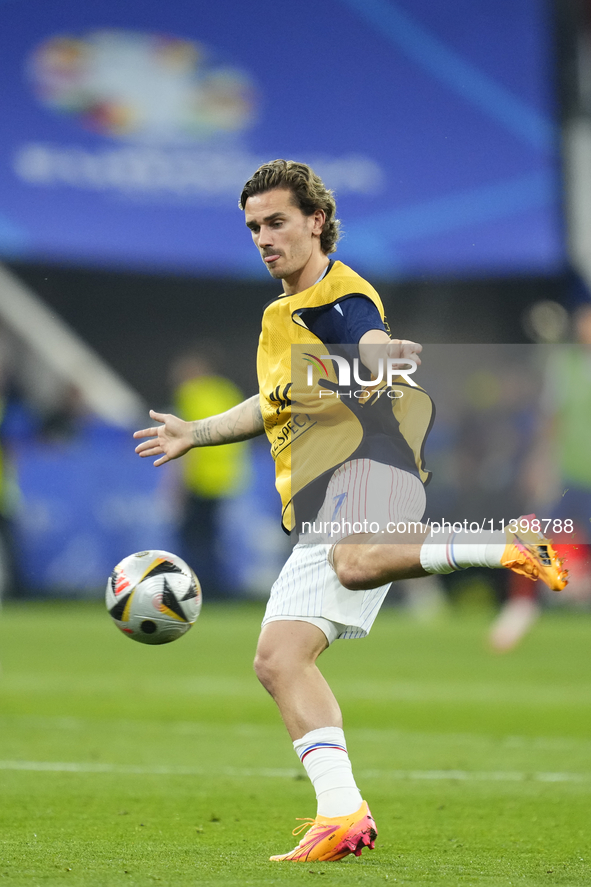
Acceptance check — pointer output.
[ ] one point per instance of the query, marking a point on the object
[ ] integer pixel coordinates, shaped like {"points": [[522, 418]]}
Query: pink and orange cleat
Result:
{"points": [[529, 554], [332, 838]]}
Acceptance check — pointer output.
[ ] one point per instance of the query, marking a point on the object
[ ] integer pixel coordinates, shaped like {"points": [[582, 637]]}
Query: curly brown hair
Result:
{"points": [[308, 189]]}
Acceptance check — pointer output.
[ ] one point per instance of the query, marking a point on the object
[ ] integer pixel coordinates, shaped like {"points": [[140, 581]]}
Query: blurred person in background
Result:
{"points": [[209, 475], [559, 479], [495, 428]]}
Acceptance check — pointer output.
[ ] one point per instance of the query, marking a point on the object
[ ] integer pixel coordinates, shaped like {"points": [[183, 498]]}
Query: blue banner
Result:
{"points": [[128, 130]]}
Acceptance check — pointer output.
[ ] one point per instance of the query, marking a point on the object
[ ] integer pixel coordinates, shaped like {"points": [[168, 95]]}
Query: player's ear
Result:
{"points": [[319, 220]]}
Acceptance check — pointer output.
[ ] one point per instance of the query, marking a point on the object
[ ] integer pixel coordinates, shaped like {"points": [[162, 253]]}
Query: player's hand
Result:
{"points": [[170, 440], [404, 348]]}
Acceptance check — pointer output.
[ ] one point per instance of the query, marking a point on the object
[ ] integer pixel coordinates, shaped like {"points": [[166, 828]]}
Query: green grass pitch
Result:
{"points": [[129, 765]]}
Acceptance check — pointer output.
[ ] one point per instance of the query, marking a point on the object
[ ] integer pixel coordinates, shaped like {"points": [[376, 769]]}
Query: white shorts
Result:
{"points": [[307, 588]]}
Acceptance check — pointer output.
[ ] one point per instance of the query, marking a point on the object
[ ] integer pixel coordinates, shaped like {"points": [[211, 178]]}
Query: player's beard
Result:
{"points": [[278, 269], [286, 266], [298, 254]]}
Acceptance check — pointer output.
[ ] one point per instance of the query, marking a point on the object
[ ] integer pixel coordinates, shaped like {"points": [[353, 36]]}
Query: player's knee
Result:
{"points": [[351, 569], [268, 668]]}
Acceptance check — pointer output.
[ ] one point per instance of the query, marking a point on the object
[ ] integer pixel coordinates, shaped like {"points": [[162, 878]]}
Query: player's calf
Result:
{"points": [[370, 563]]}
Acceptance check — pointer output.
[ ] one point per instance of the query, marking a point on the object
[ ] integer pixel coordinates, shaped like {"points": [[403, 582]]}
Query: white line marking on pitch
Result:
{"points": [[132, 769]]}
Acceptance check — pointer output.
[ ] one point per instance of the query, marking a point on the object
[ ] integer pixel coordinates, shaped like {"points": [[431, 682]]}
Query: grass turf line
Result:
{"points": [[417, 698]]}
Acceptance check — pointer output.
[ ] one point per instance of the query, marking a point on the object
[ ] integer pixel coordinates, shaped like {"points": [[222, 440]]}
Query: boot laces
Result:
{"points": [[306, 824]]}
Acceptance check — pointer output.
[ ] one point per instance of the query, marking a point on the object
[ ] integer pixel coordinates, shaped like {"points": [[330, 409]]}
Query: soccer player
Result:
{"points": [[330, 590]]}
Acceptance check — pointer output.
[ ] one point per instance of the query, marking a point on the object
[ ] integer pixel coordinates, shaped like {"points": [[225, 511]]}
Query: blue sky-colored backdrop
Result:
{"points": [[434, 123]]}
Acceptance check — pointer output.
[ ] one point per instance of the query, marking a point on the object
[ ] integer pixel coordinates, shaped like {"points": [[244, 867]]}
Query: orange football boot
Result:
{"points": [[528, 553], [332, 837]]}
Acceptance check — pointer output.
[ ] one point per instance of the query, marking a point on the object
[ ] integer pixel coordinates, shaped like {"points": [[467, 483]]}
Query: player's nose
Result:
{"points": [[265, 238]]}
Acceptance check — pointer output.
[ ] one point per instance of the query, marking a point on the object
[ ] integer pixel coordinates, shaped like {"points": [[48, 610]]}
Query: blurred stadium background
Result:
{"points": [[457, 138]]}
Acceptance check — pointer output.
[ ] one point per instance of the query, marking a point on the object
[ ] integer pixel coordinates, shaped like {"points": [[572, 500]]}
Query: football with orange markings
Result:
{"points": [[153, 597]]}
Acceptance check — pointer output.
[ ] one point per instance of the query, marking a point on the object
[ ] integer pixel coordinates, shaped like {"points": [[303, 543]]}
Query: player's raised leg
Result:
{"points": [[365, 561], [286, 666]]}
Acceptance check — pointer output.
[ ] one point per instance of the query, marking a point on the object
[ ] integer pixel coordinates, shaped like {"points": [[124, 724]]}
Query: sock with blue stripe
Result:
{"points": [[457, 551], [323, 753]]}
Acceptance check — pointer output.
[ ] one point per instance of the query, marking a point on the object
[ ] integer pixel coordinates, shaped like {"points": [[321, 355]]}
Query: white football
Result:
{"points": [[153, 597]]}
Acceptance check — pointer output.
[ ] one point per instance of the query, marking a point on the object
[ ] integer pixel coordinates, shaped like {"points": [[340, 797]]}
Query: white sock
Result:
{"points": [[456, 551], [324, 755]]}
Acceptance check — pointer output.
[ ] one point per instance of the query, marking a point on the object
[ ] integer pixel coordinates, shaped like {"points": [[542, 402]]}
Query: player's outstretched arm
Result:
{"points": [[175, 437]]}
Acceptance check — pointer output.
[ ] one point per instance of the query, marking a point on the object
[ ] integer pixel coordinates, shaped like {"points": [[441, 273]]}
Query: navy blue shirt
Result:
{"points": [[344, 322]]}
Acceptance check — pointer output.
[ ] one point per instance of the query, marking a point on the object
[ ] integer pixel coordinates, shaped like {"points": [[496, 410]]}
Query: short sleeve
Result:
{"points": [[345, 322]]}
